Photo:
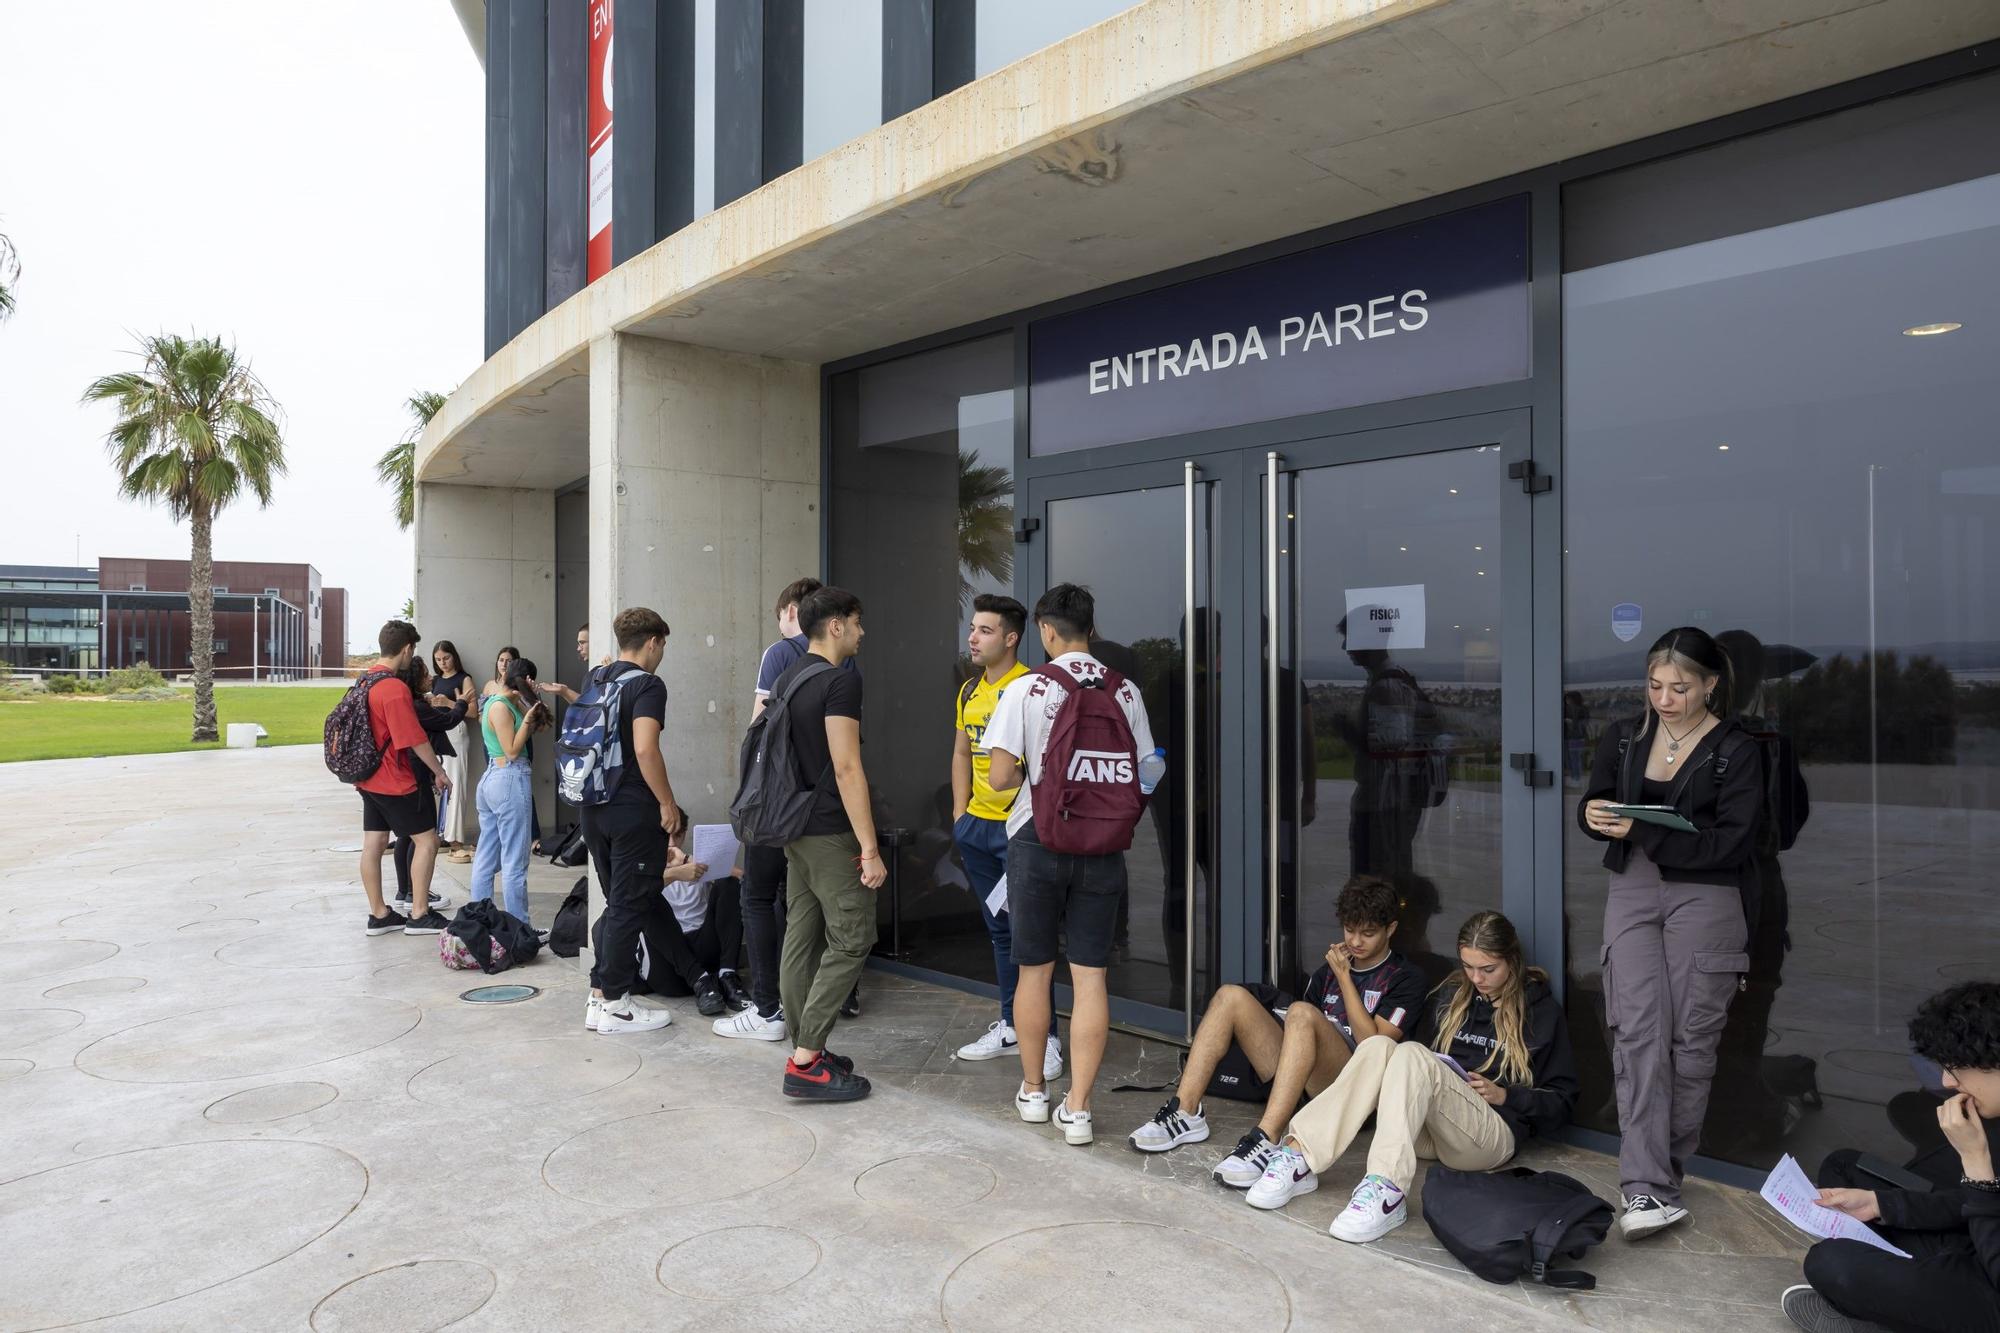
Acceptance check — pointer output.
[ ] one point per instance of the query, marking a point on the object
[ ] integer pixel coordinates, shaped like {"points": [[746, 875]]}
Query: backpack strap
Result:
{"points": [[965, 694], [1544, 1239], [817, 667]]}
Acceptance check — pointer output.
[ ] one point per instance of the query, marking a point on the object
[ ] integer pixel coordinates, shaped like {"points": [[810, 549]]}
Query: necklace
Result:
{"points": [[1674, 742]]}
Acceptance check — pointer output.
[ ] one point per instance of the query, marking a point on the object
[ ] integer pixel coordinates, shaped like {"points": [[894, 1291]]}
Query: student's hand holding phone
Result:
{"points": [[1963, 1129], [1492, 1093], [1594, 814], [1857, 1204]]}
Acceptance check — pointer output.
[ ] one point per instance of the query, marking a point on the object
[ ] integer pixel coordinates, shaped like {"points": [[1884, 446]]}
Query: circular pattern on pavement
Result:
{"points": [[74, 1231], [1098, 1273], [622, 1164], [419, 1296], [1971, 970], [305, 946], [246, 1040], [273, 1101], [15, 1068], [738, 1262], [219, 923], [95, 986], [926, 1182], [524, 1073], [1877, 1064], [22, 960], [25, 1027]]}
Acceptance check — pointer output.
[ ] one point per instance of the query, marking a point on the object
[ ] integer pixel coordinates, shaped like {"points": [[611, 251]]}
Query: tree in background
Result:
{"points": [[398, 467], [10, 276], [985, 524], [195, 430]]}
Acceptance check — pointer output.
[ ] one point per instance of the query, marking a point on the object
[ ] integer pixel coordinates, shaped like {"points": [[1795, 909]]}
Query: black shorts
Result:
{"points": [[405, 816], [1052, 894]]}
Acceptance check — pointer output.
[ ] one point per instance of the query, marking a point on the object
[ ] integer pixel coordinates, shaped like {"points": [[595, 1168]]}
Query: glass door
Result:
{"points": [[1155, 545], [1396, 585]]}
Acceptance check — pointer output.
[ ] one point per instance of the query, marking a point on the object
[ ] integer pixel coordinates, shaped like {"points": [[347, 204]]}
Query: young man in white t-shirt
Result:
{"points": [[1051, 894]]}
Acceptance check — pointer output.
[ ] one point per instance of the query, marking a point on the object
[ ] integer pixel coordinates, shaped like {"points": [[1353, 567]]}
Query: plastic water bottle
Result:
{"points": [[1151, 769]]}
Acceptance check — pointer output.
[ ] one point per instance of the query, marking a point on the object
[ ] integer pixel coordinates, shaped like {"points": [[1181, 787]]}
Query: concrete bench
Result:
{"points": [[244, 735]]}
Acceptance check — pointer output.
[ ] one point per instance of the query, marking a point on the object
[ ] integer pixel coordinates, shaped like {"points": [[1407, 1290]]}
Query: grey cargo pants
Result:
{"points": [[1673, 954]]}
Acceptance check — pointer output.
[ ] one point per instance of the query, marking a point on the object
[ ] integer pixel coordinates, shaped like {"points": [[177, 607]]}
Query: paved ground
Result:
{"points": [[225, 1107]]}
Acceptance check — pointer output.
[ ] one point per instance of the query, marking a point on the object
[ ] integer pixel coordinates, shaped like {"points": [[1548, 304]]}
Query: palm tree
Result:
{"points": [[398, 467], [985, 523], [10, 274], [195, 430]]}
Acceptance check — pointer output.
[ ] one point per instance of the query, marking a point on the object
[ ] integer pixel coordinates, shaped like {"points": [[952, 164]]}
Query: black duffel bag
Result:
{"points": [[1504, 1225], [481, 924]]}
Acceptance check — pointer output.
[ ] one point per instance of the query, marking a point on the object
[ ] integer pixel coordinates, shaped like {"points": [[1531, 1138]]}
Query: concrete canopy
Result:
{"points": [[1170, 133]]}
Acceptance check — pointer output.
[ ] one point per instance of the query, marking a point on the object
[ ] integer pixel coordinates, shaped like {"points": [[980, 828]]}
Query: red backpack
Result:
{"points": [[1087, 799]]}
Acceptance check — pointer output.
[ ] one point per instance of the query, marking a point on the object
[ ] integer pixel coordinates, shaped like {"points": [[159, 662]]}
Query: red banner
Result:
{"points": [[597, 131]]}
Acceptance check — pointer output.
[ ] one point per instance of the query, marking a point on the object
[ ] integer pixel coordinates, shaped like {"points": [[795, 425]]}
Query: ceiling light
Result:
{"points": [[1454, 490], [1723, 447], [1482, 573], [1931, 330], [1479, 548], [1402, 548]]}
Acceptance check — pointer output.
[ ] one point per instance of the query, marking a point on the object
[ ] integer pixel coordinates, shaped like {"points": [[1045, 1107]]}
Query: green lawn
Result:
{"points": [[62, 727]]}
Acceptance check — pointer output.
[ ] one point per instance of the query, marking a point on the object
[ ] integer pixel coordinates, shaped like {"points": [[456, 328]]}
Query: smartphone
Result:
{"points": [[1895, 1177]]}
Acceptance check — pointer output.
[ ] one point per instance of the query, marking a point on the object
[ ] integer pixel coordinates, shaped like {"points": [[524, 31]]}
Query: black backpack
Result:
{"points": [[773, 804], [566, 932], [349, 741], [482, 924], [1509, 1224]]}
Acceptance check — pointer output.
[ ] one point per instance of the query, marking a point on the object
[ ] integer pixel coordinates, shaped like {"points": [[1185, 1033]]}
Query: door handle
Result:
{"points": [[1190, 743], [1273, 716], [1523, 762]]}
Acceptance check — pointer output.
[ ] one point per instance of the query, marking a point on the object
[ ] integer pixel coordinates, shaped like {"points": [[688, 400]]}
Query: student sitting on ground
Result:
{"points": [[1498, 1019], [1364, 989], [690, 939], [1952, 1278]]}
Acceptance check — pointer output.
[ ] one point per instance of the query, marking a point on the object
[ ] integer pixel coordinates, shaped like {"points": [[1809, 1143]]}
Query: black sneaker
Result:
{"points": [[387, 924], [733, 994], [432, 922], [824, 1081], [851, 1006], [845, 1064], [708, 1001]]}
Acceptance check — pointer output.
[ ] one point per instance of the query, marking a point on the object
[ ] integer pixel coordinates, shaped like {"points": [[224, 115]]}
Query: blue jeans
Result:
{"points": [[982, 845], [506, 809]]}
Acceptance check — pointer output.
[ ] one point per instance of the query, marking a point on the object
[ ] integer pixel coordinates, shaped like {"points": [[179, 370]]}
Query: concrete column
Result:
{"points": [[704, 501], [486, 578]]}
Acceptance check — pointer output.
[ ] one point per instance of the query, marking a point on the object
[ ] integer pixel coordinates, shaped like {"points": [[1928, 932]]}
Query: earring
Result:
{"points": [[1708, 700]]}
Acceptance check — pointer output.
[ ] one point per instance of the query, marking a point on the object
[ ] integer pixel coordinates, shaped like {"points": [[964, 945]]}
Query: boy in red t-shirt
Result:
{"points": [[391, 801]]}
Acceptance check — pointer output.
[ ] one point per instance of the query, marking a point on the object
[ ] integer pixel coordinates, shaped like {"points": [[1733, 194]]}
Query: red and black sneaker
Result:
{"points": [[825, 1080]]}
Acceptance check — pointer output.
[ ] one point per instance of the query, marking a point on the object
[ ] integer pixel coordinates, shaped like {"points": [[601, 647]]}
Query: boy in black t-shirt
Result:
{"points": [[1364, 989]]}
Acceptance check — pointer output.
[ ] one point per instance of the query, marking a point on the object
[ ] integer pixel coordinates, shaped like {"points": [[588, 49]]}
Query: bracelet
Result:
{"points": [[876, 854], [1986, 1186]]}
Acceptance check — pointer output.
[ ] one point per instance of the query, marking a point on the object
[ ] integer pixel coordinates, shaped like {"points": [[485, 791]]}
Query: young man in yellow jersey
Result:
{"points": [[979, 814]]}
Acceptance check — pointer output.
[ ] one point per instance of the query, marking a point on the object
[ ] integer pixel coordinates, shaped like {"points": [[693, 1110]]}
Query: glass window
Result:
{"points": [[922, 496], [1781, 427], [1003, 33], [843, 73]]}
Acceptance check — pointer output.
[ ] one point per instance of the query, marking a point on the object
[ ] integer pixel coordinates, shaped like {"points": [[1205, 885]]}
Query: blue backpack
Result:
{"points": [[589, 759]]}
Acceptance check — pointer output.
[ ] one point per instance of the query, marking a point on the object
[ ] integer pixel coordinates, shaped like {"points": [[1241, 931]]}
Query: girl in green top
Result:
{"points": [[506, 790]]}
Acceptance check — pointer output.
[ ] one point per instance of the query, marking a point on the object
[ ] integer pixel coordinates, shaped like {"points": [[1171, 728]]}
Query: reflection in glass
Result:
{"points": [[922, 522], [1753, 447], [1389, 687]]}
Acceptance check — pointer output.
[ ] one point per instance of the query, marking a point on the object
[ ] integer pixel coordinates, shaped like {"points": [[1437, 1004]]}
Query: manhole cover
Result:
{"points": [[500, 994]]}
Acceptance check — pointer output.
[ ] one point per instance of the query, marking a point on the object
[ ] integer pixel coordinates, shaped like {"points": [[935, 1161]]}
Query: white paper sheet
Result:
{"points": [[1787, 1190], [715, 846], [996, 901]]}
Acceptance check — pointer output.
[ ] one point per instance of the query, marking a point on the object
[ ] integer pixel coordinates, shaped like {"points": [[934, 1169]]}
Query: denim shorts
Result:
{"points": [[1055, 895]]}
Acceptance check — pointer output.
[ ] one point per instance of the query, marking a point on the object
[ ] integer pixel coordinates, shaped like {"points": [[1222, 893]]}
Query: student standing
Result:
{"points": [[1055, 894], [629, 834], [1951, 1281], [834, 867], [390, 801], [453, 683], [440, 723], [507, 788], [979, 814], [1364, 989], [1498, 1019], [1678, 917]]}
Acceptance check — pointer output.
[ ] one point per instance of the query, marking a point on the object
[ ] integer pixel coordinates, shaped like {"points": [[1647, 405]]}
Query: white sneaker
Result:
{"points": [[997, 1041], [621, 1016], [1285, 1179], [1052, 1061], [752, 1026], [1075, 1125], [1376, 1209], [1033, 1106], [1645, 1215], [1245, 1167], [1809, 1310], [591, 1011], [1169, 1128], [439, 902]]}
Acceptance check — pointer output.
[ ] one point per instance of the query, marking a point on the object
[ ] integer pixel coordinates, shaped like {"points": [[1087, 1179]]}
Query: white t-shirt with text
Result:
{"points": [[1020, 724]]}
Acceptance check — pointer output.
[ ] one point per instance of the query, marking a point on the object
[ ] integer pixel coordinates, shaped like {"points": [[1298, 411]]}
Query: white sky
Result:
{"points": [[304, 179]]}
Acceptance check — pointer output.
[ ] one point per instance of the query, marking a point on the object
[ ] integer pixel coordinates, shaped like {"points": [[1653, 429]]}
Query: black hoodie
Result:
{"points": [[1538, 1109], [1720, 790]]}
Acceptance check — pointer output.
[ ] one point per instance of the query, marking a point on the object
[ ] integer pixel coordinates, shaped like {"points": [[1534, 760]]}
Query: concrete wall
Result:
{"points": [[486, 578], [704, 501]]}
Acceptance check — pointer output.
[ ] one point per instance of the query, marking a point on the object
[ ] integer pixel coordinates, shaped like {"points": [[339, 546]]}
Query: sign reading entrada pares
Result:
{"points": [[1435, 305]]}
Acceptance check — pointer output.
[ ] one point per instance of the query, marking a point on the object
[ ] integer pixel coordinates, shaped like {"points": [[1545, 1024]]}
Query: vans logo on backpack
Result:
{"points": [[1100, 766]]}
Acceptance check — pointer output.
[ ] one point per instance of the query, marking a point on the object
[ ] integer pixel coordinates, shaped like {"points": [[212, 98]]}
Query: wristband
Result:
{"points": [[1986, 1186]]}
